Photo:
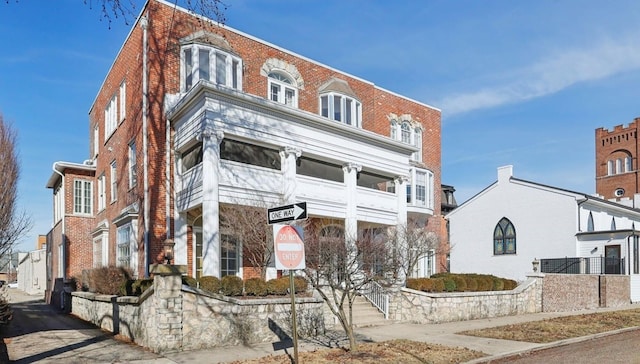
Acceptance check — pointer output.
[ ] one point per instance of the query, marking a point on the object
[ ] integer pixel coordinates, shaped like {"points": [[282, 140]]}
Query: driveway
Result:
{"points": [[40, 334]]}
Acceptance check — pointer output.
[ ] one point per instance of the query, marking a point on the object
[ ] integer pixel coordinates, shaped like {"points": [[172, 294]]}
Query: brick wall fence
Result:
{"points": [[172, 317]]}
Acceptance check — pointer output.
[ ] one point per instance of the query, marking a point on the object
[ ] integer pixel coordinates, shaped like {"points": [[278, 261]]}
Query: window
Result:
{"points": [[613, 223], [192, 157], [102, 198], [636, 261], [610, 170], [282, 89], [375, 181], [133, 175], [425, 266], [590, 226], [341, 108], [627, 164], [96, 141], [618, 166], [58, 204], [319, 169], [228, 255], [200, 62], [114, 182], [504, 238], [82, 196], [110, 118], [123, 100], [256, 155], [420, 190], [124, 241], [407, 133]]}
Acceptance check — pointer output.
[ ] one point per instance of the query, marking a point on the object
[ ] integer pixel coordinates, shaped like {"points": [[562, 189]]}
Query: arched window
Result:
{"points": [[627, 164], [282, 89], [504, 238], [613, 223], [619, 166], [405, 133], [590, 222], [610, 170]]}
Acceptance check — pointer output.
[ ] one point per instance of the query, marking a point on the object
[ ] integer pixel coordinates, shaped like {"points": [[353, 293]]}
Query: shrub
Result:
{"points": [[461, 283], [426, 284], [109, 280], [449, 284], [231, 286], [141, 285], [472, 283], [498, 284], [300, 284], [413, 283], [210, 284], [438, 285], [255, 287], [190, 281], [278, 286], [510, 284]]}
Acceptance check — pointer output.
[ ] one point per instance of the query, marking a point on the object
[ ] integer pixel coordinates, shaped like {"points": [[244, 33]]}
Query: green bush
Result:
{"points": [[231, 286], [498, 284], [141, 285], [449, 284], [190, 281], [255, 287], [210, 284], [278, 286]]}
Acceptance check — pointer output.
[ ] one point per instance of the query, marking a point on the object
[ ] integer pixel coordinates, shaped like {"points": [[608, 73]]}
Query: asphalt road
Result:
{"points": [[623, 347], [39, 334]]}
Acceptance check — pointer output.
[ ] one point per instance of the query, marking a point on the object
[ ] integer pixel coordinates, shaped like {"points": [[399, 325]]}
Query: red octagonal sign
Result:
{"points": [[288, 246]]}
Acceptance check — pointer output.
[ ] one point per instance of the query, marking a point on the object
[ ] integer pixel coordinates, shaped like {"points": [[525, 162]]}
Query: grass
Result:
{"points": [[406, 351]]}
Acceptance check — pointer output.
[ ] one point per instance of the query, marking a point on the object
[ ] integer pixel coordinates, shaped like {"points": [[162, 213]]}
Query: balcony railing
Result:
{"points": [[583, 265]]}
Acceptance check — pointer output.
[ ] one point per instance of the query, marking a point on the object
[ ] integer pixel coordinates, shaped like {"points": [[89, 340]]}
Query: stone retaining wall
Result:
{"points": [[572, 292], [422, 307], [172, 317]]}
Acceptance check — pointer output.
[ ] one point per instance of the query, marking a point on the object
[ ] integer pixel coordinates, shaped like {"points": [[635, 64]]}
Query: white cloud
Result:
{"points": [[549, 75]]}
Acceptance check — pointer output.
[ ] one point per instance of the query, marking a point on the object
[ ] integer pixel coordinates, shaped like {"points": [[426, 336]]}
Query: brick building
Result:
{"points": [[617, 161], [193, 117]]}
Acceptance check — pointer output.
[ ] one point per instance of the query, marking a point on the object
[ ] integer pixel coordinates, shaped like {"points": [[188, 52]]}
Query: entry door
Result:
{"points": [[197, 237], [612, 259]]}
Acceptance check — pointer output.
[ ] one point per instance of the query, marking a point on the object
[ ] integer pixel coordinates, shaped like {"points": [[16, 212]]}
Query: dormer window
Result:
{"points": [[282, 89], [341, 108], [202, 62], [407, 132]]}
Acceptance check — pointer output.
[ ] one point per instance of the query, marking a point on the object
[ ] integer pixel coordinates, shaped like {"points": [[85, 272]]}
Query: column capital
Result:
{"points": [[209, 132], [348, 167], [287, 151], [398, 180]]}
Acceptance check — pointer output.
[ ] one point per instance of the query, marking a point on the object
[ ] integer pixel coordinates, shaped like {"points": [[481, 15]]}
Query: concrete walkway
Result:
{"points": [[38, 333]]}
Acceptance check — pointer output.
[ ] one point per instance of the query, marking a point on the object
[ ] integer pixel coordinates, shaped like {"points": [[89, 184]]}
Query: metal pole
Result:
{"points": [[293, 317]]}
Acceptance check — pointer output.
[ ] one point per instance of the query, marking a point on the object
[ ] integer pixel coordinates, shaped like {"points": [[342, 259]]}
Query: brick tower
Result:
{"points": [[617, 161]]}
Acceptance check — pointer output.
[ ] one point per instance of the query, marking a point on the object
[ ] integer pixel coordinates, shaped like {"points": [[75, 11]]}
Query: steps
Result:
{"points": [[365, 314]]}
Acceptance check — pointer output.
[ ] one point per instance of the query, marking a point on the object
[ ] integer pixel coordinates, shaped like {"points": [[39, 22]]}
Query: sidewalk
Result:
{"points": [[38, 333]]}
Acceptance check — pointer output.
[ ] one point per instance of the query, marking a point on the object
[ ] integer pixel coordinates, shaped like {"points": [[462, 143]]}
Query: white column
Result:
{"points": [[211, 140], [351, 218], [401, 225], [288, 157], [180, 238]]}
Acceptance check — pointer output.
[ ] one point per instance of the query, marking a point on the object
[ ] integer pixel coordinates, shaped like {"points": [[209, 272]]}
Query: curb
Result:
{"points": [[555, 344]]}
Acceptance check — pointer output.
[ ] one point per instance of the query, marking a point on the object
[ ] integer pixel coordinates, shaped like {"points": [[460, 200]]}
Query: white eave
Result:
{"points": [[62, 166]]}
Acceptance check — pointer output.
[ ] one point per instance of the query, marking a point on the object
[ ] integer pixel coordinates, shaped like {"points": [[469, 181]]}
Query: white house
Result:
{"points": [[502, 229]]}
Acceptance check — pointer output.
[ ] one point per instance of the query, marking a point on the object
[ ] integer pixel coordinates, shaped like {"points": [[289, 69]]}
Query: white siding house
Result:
{"points": [[502, 229]]}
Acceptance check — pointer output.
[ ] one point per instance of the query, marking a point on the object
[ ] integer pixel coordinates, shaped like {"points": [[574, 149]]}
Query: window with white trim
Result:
{"points": [[58, 204], [610, 170], [627, 164], [82, 197], [408, 133], [342, 108], [420, 190], [123, 100], [619, 166], [228, 255], [111, 117], [102, 198], [282, 89], [124, 241], [133, 176], [114, 182], [201, 62]]}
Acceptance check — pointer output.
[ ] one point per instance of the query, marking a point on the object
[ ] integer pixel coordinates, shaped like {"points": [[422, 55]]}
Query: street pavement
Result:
{"points": [[39, 333]]}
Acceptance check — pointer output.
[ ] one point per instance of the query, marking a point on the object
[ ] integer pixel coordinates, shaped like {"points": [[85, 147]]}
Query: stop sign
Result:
{"points": [[288, 247]]}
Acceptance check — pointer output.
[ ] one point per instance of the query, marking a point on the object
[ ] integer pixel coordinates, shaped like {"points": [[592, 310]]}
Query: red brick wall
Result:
{"points": [[166, 27], [611, 145]]}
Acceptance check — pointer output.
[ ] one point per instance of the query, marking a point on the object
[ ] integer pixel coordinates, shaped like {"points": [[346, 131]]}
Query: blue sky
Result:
{"points": [[519, 82]]}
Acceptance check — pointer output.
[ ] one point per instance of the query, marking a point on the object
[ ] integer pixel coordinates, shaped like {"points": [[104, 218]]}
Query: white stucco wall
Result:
{"points": [[545, 220]]}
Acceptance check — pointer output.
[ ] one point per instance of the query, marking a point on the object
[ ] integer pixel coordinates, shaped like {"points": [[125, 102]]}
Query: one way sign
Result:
{"points": [[292, 212]]}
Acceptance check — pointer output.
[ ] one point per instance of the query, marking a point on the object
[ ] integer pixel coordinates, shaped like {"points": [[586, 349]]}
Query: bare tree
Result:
{"points": [[341, 267], [249, 225], [127, 10], [413, 241], [13, 224]]}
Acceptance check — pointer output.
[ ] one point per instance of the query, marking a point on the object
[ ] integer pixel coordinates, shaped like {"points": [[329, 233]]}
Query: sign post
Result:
{"points": [[288, 246]]}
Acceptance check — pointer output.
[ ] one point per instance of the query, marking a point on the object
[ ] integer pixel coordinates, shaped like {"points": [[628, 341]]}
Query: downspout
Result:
{"points": [[144, 22], [64, 236], [167, 175]]}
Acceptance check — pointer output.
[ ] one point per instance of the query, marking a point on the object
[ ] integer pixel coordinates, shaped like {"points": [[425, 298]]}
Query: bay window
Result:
{"points": [[201, 62], [341, 108]]}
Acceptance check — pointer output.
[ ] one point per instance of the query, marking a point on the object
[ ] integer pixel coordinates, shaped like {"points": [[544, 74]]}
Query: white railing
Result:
{"points": [[377, 295]]}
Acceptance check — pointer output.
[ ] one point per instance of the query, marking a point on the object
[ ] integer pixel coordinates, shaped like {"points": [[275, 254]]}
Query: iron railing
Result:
{"points": [[583, 265], [378, 297]]}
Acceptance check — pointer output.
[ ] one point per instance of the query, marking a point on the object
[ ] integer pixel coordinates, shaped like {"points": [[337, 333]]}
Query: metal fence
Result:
{"points": [[587, 265]]}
